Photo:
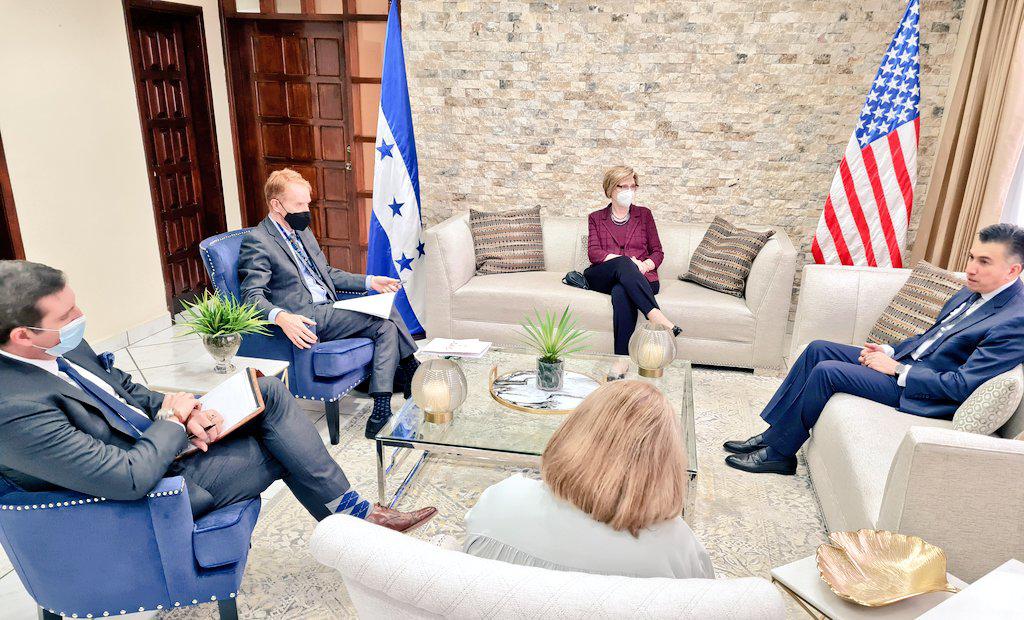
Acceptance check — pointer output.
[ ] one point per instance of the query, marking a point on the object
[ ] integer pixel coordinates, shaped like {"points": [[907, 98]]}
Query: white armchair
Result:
{"points": [[391, 575], [874, 467]]}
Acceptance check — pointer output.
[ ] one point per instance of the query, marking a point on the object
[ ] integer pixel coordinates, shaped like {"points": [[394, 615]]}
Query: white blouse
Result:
{"points": [[520, 521]]}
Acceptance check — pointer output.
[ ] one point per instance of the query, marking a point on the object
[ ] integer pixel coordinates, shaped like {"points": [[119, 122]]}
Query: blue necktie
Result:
{"points": [[307, 263], [119, 415]]}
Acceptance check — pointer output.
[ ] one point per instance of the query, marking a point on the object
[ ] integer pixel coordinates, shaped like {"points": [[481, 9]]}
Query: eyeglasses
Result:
{"points": [[627, 186]]}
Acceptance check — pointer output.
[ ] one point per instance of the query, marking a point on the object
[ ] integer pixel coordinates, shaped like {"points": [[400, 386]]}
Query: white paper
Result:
{"points": [[374, 305], [233, 399], [471, 348]]}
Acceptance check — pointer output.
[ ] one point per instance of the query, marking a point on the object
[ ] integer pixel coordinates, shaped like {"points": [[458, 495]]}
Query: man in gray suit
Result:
{"points": [[70, 420], [283, 271]]}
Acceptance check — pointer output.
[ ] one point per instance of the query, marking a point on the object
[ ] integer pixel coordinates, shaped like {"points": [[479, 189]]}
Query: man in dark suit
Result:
{"points": [[283, 271], [978, 334], [70, 420]]}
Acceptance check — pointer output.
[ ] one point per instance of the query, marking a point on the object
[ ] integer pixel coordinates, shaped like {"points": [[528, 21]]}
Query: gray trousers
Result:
{"points": [[391, 339], [279, 444]]}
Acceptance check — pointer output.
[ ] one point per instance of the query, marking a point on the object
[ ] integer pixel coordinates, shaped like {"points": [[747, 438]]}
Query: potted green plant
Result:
{"points": [[222, 321], [553, 337]]}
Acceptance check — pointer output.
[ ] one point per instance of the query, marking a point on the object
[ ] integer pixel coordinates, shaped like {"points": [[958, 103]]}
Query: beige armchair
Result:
{"points": [[874, 467]]}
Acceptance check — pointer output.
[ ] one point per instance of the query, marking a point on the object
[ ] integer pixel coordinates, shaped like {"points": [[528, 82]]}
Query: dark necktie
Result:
{"points": [[940, 329], [119, 415]]}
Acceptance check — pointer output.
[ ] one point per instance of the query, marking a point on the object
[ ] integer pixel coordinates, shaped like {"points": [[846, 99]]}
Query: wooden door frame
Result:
{"points": [[208, 164], [9, 216]]}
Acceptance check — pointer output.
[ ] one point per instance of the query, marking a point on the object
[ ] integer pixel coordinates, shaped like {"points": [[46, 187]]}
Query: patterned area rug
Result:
{"points": [[748, 523]]}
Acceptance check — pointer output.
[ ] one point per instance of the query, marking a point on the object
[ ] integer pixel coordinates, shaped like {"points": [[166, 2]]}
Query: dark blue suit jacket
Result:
{"points": [[988, 342]]}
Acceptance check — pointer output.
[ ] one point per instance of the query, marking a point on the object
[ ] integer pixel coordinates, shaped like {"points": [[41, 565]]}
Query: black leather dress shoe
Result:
{"points": [[758, 463], [746, 446]]}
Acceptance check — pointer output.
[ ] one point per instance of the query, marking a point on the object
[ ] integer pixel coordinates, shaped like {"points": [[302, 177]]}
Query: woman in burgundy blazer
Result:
{"points": [[625, 253]]}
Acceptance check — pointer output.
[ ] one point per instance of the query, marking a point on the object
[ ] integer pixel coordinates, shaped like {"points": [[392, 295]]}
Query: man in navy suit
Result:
{"points": [[978, 334]]}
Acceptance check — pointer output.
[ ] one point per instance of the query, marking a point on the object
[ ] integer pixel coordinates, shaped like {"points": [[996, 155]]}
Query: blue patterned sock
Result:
{"points": [[352, 504]]}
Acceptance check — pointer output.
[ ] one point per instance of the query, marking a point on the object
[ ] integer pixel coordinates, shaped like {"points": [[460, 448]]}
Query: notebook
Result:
{"points": [[237, 400]]}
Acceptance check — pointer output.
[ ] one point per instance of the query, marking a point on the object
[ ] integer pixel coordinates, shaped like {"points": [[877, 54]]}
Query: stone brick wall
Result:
{"points": [[739, 108]]}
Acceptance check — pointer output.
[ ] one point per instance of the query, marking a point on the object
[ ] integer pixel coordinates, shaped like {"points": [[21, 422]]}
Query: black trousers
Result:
{"points": [[279, 444], [630, 291]]}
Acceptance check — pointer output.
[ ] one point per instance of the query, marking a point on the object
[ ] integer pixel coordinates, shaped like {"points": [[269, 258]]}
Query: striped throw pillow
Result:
{"points": [[507, 241], [723, 259], [916, 306]]}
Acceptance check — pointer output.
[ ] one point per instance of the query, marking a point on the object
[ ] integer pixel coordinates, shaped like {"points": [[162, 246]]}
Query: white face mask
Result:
{"points": [[625, 197]]}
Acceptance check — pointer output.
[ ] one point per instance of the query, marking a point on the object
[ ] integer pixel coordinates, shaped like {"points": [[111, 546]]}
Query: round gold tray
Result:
{"points": [[516, 407]]}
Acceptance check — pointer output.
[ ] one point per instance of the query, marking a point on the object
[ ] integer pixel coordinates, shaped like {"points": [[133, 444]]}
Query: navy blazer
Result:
{"points": [[987, 343]]}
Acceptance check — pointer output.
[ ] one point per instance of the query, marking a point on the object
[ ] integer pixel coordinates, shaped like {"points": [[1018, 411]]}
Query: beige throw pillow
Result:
{"points": [[507, 241], [992, 404], [916, 306], [723, 259]]}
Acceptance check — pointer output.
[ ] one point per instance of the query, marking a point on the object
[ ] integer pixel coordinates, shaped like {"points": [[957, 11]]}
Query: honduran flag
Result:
{"points": [[396, 226]]}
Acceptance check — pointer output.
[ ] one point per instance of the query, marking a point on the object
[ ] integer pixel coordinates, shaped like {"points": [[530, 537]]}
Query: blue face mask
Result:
{"points": [[71, 336]]}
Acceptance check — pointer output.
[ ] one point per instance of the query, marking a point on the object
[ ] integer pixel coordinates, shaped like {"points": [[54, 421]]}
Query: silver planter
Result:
{"points": [[222, 349], [550, 375]]}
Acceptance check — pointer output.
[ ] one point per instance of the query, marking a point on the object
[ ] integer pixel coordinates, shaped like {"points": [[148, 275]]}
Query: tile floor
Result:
{"points": [[167, 347]]}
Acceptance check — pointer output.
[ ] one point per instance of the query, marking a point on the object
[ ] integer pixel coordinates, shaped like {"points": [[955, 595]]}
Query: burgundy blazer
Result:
{"points": [[640, 239]]}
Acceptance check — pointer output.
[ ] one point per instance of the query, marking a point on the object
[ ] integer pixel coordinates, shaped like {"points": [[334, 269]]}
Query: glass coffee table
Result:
{"points": [[484, 428]]}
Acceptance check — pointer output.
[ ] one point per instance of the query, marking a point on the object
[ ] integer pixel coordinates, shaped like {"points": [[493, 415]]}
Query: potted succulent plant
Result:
{"points": [[222, 321], [553, 337]]}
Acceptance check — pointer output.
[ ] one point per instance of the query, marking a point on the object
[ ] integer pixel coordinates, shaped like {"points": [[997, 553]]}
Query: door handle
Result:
{"points": [[348, 153]]}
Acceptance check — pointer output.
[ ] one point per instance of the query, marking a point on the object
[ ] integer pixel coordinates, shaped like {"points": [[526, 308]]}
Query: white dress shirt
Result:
{"points": [[953, 318], [50, 366], [315, 288]]}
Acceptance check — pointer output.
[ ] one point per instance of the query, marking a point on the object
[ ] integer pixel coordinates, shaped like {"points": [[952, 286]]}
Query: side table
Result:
{"points": [[802, 581], [198, 376]]}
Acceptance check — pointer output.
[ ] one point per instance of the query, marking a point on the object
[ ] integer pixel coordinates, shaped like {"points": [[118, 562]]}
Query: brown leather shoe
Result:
{"points": [[400, 521]]}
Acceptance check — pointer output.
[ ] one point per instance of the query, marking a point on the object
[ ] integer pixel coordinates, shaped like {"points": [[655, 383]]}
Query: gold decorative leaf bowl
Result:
{"points": [[875, 568]]}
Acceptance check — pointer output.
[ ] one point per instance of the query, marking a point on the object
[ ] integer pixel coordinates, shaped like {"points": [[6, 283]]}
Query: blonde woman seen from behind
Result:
{"points": [[611, 498]]}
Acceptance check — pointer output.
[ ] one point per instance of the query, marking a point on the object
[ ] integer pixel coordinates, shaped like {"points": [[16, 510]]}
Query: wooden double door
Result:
{"points": [[293, 110], [169, 60]]}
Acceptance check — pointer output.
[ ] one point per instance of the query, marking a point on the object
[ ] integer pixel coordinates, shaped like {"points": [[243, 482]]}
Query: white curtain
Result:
{"points": [[1013, 210]]}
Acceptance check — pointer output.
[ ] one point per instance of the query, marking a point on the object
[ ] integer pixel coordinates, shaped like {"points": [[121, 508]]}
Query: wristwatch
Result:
{"points": [[167, 414], [900, 369]]}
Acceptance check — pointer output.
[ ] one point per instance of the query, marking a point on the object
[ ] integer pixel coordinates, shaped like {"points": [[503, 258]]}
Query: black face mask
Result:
{"points": [[298, 221]]}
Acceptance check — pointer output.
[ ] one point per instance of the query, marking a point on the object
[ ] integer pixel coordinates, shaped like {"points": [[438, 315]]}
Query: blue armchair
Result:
{"points": [[326, 372], [89, 557]]}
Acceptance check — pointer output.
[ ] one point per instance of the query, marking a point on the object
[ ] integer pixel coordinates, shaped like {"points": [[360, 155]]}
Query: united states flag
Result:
{"points": [[868, 206]]}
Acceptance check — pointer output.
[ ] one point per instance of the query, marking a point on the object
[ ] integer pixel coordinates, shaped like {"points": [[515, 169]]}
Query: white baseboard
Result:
{"points": [[134, 334]]}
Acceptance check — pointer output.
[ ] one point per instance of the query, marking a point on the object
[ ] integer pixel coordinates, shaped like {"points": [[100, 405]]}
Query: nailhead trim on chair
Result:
{"points": [[79, 502], [195, 601]]}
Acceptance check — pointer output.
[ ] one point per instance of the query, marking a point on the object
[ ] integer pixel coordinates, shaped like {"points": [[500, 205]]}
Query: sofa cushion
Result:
{"points": [[507, 241], [222, 537], [916, 306], [508, 298], [339, 357], [855, 441], [723, 259], [991, 404]]}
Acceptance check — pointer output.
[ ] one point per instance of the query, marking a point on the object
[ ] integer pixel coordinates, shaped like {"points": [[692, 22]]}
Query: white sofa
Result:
{"points": [[718, 329], [391, 575], [874, 467]]}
